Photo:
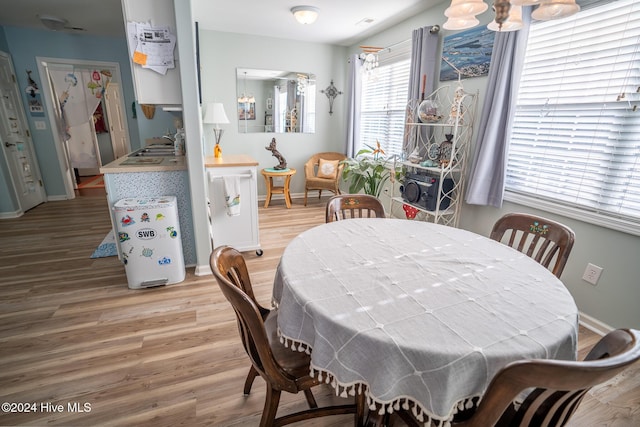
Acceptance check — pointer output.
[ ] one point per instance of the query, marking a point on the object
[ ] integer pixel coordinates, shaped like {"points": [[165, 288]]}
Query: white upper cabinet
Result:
{"points": [[150, 86]]}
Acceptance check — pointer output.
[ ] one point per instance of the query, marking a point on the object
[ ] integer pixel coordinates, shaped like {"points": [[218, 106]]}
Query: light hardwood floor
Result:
{"points": [[71, 332]]}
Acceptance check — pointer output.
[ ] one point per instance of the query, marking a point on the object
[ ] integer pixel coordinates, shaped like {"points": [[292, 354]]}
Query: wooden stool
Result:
{"points": [[271, 173]]}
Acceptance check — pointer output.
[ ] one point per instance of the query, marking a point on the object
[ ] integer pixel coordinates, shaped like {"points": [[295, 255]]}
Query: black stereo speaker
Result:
{"points": [[421, 190]]}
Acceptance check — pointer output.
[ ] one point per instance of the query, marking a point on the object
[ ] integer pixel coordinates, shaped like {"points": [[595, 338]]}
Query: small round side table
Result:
{"points": [[271, 173]]}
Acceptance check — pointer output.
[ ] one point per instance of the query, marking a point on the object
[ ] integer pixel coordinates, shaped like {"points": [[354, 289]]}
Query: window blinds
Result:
{"points": [[384, 101], [576, 133]]}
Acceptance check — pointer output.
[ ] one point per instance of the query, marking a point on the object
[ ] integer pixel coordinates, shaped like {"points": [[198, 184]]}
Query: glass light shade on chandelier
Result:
{"points": [[513, 22], [526, 2], [370, 61], [244, 99], [461, 23], [508, 13], [555, 9], [301, 85], [464, 8]]}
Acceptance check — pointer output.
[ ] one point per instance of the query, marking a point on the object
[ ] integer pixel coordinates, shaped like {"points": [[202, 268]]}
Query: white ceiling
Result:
{"points": [[337, 22]]}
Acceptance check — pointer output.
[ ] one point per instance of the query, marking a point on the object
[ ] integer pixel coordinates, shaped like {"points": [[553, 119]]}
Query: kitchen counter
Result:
{"points": [[230, 160], [145, 164], [148, 176]]}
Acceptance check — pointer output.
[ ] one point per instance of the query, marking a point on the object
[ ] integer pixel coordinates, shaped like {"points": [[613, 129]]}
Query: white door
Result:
{"points": [[16, 140], [117, 123]]}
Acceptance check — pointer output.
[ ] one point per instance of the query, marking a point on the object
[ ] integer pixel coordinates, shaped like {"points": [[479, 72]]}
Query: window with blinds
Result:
{"points": [[383, 105], [576, 134]]}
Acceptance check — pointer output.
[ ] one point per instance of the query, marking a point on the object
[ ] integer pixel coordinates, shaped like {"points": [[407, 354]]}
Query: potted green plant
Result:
{"points": [[368, 171]]}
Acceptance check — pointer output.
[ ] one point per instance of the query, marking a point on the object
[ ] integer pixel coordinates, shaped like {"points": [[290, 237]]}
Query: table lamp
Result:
{"points": [[216, 116]]}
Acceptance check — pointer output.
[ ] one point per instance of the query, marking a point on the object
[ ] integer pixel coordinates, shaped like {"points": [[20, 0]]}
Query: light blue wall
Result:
{"points": [[3, 41], [220, 55], [25, 45]]}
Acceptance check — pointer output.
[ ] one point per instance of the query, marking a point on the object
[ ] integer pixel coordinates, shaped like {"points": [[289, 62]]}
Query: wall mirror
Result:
{"points": [[275, 101]]}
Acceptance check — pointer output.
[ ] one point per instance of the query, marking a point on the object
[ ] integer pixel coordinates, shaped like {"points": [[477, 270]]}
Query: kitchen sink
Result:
{"points": [[154, 151]]}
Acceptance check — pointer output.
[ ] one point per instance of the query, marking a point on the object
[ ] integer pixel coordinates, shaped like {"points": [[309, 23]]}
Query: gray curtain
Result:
{"points": [[488, 169], [424, 59], [354, 89]]}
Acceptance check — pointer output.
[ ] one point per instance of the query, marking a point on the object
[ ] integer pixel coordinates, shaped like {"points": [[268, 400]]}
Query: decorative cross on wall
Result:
{"points": [[332, 92]]}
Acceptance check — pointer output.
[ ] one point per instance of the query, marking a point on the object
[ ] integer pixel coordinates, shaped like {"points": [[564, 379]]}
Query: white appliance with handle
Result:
{"points": [[148, 235]]}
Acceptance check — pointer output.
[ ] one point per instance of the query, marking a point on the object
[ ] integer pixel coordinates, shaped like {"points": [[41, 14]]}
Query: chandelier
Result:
{"points": [[369, 58], [461, 14], [244, 98], [302, 83]]}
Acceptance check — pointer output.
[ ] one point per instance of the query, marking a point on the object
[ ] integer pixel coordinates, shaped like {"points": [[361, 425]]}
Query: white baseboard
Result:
{"points": [[10, 215], [203, 270], [594, 325], [57, 198], [326, 194]]}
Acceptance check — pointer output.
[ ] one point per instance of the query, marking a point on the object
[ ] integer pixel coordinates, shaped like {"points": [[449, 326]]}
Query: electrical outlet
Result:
{"points": [[592, 274]]}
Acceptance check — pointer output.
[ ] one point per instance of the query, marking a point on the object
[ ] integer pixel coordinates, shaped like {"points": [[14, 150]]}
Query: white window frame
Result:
{"points": [[383, 119], [529, 131]]}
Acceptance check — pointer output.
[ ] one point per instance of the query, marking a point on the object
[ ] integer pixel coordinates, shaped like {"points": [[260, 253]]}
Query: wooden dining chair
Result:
{"points": [[282, 368], [559, 385], [540, 238], [346, 206], [323, 171]]}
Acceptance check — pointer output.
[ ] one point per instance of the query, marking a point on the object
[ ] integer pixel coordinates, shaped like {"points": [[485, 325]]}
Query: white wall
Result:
{"points": [[220, 55]]}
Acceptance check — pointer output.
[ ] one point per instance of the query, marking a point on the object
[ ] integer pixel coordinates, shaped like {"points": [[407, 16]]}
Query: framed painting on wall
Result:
{"points": [[246, 110], [468, 53]]}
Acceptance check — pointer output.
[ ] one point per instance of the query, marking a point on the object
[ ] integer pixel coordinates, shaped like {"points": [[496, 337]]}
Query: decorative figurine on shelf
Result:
{"points": [[275, 153], [457, 110], [446, 151]]}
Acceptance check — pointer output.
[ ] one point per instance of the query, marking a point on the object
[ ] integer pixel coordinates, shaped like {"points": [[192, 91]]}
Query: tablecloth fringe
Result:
{"points": [[294, 345], [346, 390], [423, 416]]}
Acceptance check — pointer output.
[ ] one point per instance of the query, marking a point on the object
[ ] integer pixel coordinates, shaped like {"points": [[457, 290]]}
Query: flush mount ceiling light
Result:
{"points": [[305, 14], [461, 14], [53, 22]]}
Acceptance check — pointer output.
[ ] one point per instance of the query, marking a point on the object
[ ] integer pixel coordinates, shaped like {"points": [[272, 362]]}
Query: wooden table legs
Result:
{"points": [[271, 189]]}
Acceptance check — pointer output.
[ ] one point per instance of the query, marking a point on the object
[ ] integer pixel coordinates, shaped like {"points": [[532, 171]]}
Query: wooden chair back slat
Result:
{"points": [[548, 242], [350, 206]]}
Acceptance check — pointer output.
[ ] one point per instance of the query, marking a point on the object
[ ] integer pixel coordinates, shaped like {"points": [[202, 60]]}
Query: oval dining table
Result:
{"points": [[417, 315]]}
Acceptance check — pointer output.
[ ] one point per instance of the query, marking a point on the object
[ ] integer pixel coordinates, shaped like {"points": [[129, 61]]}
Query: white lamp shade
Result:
{"points": [[461, 23], [215, 114], [464, 8], [513, 23], [305, 14], [555, 9]]}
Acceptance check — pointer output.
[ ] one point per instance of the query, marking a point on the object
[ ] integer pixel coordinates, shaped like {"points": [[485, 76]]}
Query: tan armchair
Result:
{"points": [[313, 182]]}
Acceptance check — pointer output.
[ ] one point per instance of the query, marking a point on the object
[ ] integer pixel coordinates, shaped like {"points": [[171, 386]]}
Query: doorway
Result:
{"points": [[97, 133], [17, 145]]}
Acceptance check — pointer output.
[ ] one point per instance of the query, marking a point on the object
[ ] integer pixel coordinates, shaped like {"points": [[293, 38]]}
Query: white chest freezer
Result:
{"points": [[148, 233]]}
